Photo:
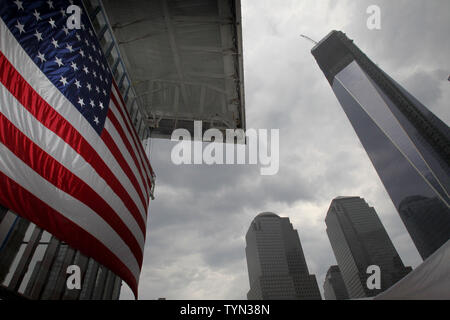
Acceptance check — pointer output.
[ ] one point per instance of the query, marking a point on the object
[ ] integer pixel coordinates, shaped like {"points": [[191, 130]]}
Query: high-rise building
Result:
{"points": [[334, 287], [359, 240], [407, 144], [276, 264]]}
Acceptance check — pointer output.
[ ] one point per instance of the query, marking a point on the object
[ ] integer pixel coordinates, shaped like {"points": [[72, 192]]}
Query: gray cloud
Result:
{"points": [[196, 231]]}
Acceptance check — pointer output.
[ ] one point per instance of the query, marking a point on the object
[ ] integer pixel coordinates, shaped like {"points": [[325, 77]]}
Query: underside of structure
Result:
{"points": [[183, 60]]}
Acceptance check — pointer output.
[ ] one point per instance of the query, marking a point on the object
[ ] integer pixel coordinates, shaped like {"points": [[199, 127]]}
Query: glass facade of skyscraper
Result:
{"points": [[407, 144]]}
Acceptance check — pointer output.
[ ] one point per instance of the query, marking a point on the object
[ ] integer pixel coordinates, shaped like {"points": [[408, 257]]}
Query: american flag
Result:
{"points": [[70, 158]]}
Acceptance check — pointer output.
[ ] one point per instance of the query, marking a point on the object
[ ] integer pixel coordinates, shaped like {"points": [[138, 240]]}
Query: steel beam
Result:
{"points": [[174, 47]]}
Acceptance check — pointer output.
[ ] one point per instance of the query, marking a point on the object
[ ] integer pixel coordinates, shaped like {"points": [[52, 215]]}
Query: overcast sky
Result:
{"points": [[197, 224]]}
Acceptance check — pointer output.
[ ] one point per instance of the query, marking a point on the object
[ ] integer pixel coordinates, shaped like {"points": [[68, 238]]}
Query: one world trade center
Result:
{"points": [[407, 144]]}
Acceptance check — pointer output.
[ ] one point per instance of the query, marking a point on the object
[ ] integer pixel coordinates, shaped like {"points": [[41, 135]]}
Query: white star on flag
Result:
{"points": [[73, 65], [19, 4], [41, 57], [63, 80], [52, 23], [37, 15], [55, 43], [20, 27], [59, 61], [38, 36]]}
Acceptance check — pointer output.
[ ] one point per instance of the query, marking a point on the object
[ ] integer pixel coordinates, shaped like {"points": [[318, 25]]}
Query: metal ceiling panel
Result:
{"points": [[184, 58]]}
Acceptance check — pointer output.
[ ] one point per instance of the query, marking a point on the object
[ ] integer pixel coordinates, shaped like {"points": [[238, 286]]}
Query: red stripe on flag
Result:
{"points": [[52, 171], [127, 144], [24, 203], [45, 114], [132, 133], [125, 115]]}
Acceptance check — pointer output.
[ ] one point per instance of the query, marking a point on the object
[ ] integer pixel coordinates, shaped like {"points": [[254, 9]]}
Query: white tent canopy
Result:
{"points": [[429, 281]]}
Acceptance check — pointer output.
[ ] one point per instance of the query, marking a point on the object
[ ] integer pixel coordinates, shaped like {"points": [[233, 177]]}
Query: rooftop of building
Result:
{"points": [[267, 214], [345, 197]]}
